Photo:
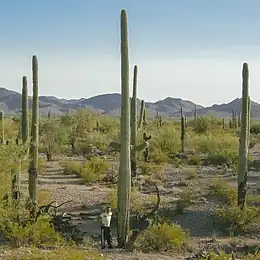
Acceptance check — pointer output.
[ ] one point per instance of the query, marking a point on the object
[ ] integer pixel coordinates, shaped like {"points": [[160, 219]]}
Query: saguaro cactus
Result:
{"points": [[2, 131], [195, 115], [134, 125], [182, 131], [25, 116], [243, 142], [33, 167], [134, 146], [124, 182], [142, 112]]}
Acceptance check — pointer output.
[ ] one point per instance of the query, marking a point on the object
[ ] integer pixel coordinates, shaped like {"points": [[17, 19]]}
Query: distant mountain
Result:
{"points": [[10, 102]]}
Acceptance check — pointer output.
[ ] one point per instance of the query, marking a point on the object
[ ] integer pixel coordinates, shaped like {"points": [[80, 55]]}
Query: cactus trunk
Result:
{"points": [[249, 119], [2, 131], [134, 125], [243, 142], [15, 174], [33, 167], [124, 182], [182, 131], [25, 116]]}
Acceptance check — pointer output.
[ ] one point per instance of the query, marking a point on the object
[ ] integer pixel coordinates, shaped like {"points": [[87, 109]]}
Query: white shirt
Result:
{"points": [[106, 218]]}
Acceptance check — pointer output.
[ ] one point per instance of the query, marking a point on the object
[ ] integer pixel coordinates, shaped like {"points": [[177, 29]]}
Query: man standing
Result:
{"points": [[105, 228]]}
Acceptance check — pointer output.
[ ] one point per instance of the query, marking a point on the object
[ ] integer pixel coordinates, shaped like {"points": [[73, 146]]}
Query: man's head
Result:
{"points": [[108, 209]]}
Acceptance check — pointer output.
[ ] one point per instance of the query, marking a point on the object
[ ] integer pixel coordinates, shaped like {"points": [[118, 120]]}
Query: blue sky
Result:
{"points": [[193, 49]]}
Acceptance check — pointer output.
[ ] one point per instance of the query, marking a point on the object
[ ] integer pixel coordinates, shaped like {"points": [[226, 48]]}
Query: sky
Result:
{"points": [[189, 49]]}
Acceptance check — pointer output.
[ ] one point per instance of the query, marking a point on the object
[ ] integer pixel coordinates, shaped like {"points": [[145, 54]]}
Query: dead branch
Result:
{"points": [[142, 221]]}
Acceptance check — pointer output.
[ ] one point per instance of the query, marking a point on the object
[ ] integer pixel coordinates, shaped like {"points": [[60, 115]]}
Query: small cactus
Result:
{"points": [[2, 131]]}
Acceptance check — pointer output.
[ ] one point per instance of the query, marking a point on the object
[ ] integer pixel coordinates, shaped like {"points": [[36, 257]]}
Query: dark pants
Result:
{"points": [[106, 236]]}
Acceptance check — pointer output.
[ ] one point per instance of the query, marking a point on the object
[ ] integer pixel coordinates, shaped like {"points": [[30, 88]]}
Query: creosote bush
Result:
{"points": [[16, 227], [233, 219], [92, 170], [162, 237]]}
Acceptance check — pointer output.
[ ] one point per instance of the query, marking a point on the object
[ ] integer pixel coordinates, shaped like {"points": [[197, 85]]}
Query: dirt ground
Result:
{"points": [[87, 202]]}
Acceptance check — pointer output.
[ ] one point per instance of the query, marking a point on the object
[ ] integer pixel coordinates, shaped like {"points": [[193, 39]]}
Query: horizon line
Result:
{"points": [[117, 93]]}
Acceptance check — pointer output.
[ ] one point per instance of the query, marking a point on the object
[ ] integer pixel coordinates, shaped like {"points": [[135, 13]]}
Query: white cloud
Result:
{"points": [[206, 77]]}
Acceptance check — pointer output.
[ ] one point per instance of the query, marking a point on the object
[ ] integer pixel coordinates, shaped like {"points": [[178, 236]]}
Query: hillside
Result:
{"points": [[10, 102]]}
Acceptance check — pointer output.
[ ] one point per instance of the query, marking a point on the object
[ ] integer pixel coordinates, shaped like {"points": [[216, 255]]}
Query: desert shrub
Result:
{"points": [[214, 143], [221, 158], [71, 168], [162, 237], [217, 256], [16, 227], [94, 169], [202, 125], [194, 160], [224, 192], [158, 156], [255, 128], [91, 171], [147, 168], [236, 220], [166, 141]]}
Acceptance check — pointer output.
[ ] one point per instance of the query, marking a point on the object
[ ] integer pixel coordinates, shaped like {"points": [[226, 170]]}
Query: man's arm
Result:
{"points": [[100, 219]]}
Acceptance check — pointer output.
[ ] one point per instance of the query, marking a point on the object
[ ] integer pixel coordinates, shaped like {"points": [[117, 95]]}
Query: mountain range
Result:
{"points": [[10, 103]]}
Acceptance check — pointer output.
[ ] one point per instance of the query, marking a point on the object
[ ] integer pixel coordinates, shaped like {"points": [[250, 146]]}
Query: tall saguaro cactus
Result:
{"points": [[134, 125], [243, 142], [124, 182], [2, 130], [25, 119], [33, 167]]}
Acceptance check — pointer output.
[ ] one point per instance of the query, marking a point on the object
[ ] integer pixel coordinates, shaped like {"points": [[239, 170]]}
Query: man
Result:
{"points": [[105, 228]]}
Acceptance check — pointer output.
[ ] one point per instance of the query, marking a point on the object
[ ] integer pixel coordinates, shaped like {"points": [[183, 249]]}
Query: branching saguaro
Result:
{"points": [[124, 182], [243, 141], [33, 167]]}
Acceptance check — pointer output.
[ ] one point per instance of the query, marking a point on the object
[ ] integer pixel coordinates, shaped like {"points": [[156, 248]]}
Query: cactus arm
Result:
{"points": [[141, 117]]}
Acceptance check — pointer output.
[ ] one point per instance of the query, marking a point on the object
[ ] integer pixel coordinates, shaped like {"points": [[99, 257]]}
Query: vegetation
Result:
{"points": [[184, 173]]}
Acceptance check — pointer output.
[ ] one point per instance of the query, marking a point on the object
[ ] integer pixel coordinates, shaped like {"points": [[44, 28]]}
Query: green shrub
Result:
{"points": [[236, 220], [16, 228], [91, 171], [218, 159], [202, 125], [94, 169], [224, 192], [195, 160], [162, 237], [71, 168]]}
